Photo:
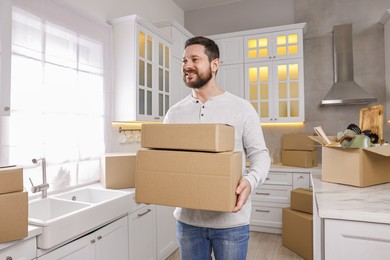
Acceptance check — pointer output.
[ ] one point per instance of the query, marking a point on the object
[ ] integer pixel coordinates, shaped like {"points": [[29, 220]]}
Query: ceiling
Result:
{"points": [[187, 5]]}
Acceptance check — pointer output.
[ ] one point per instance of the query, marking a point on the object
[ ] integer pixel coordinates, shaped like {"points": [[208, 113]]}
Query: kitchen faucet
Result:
{"points": [[44, 186]]}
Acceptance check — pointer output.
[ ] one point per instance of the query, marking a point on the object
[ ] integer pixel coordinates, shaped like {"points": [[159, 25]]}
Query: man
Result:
{"points": [[201, 232]]}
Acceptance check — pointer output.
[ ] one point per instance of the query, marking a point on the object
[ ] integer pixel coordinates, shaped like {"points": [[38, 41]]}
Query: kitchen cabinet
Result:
{"points": [[272, 196], [231, 78], [356, 240], [24, 250], [385, 20], [230, 49], [165, 231], [142, 233], [5, 57], [108, 242], [142, 61]]}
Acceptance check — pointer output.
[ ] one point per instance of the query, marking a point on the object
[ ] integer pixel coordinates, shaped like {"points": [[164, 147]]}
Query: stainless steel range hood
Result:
{"points": [[345, 91]]}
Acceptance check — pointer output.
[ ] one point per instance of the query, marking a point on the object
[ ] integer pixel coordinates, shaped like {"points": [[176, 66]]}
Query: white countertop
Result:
{"points": [[32, 232], [337, 201], [284, 168]]}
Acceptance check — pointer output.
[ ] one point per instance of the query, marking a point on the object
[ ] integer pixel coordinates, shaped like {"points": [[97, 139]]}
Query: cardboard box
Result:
{"points": [[196, 180], [195, 137], [117, 170], [305, 159], [302, 200], [11, 179], [297, 232], [13, 217], [356, 166], [298, 141]]}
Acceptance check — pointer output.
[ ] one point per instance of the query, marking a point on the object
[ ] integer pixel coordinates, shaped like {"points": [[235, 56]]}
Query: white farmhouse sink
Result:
{"points": [[66, 216]]}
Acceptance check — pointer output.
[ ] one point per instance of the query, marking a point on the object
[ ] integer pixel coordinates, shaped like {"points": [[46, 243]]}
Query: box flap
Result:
{"points": [[383, 150], [320, 140]]}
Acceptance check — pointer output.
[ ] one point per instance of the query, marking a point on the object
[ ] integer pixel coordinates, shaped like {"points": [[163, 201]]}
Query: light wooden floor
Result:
{"points": [[262, 246]]}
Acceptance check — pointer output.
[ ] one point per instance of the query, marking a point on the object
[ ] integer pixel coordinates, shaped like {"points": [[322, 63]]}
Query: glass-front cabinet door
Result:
{"points": [[275, 89], [163, 79]]}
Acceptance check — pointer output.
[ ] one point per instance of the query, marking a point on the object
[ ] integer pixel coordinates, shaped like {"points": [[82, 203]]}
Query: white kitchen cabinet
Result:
{"points": [[5, 57], [231, 78], [108, 242], [23, 250], [386, 21], [230, 49], [142, 233], [272, 196], [165, 231], [356, 240], [142, 70]]}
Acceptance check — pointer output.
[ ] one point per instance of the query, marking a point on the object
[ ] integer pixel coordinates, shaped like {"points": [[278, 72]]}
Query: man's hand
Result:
{"points": [[243, 190]]}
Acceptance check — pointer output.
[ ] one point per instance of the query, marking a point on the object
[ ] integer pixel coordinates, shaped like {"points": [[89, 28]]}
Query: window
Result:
{"points": [[58, 93]]}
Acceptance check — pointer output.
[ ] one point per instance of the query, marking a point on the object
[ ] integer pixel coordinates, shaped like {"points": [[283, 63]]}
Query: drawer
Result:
{"points": [[278, 178], [271, 193], [269, 216], [301, 180], [25, 249]]}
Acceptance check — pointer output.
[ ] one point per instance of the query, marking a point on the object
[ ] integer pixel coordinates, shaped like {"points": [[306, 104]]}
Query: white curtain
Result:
{"points": [[60, 92]]}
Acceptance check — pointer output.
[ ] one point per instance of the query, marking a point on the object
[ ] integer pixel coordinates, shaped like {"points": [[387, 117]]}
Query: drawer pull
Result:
{"points": [[99, 237], [262, 193], [146, 212], [267, 179], [8, 258], [262, 210], [93, 241]]}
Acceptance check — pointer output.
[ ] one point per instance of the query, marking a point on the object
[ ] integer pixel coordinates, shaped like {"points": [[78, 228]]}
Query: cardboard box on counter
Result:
{"points": [[305, 159], [302, 200], [14, 216], [196, 180], [297, 232], [196, 137], [298, 141], [11, 179], [117, 170]]}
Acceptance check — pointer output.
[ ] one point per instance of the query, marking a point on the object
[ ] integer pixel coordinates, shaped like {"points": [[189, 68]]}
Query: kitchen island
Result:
{"points": [[350, 222]]}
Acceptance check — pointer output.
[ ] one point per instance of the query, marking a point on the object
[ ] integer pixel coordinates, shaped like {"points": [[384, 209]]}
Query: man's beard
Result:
{"points": [[201, 80]]}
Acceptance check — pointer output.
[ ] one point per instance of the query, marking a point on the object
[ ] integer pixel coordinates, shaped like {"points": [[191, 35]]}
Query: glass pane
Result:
{"points": [[294, 89], [254, 104], [160, 54], [166, 57], [264, 113], [160, 104], [263, 42], [253, 93], [166, 103], [264, 74], [282, 90], [253, 75], [293, 69], [142, 44], [293, 49], [292, 38], [141, 73], [141, 102], [263, 52], [282, 108], [264, 95], [149, 102], [281, 51], [252, 54], [281, 40], [294, 108], [282, 72], [150, 48], [167, 81], [252, 44], [160, 79], [149, 75]]}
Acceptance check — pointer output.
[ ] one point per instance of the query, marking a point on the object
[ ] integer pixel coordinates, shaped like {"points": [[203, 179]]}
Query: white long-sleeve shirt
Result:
{"points": [[235, 111]]}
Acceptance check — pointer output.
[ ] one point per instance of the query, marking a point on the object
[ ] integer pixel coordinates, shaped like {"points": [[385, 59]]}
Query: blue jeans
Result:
{"points": [[197, 243]]}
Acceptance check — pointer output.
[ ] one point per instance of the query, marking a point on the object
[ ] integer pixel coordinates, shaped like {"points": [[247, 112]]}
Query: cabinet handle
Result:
{"points": [[262, 193], [143, 214], [6, 109], [156, 117], [261, 210], [267, 179], [8, 258], [93, 241], [99, 237], [300, 177]]}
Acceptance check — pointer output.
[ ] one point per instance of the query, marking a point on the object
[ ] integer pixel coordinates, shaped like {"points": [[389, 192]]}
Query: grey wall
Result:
{"points": [[239, 16], [321, 16]]}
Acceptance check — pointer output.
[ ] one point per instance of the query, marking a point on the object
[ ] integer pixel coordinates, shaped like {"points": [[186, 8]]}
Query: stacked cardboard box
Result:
{"points": [[297, 223], [117, 170], [189, 166], [13, 205], [299, 150]]}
